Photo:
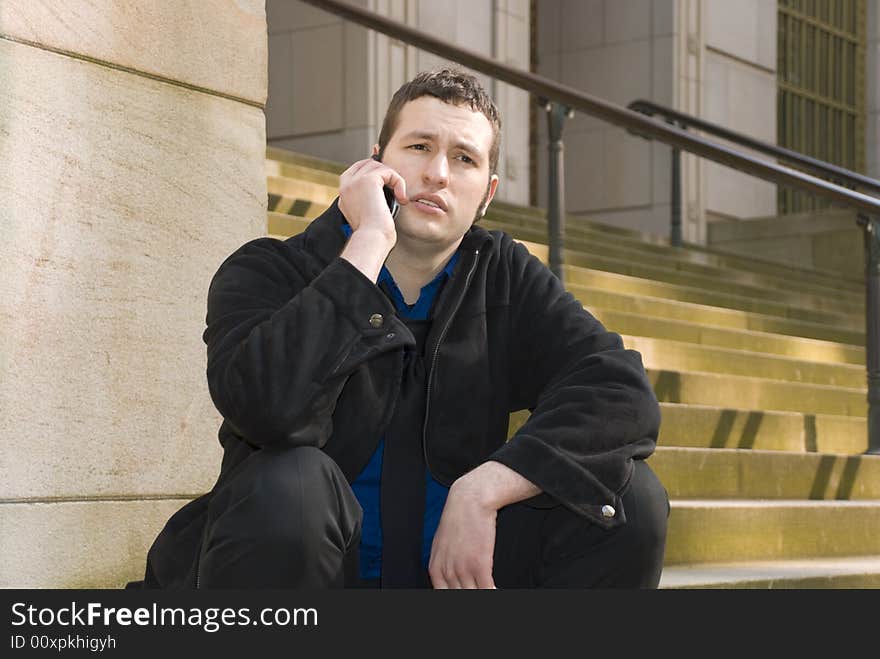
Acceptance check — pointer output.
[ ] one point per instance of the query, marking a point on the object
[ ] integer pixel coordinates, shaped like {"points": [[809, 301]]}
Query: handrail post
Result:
{"points": [[871, 226], [556, 116], [675, 202]]}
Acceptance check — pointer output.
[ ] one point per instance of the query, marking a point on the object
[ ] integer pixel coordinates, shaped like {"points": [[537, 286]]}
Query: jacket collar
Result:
{"points": [[325, 239]]}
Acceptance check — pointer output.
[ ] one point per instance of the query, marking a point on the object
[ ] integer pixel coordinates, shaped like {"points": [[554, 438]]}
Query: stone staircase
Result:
{"points": [[759, 369]]}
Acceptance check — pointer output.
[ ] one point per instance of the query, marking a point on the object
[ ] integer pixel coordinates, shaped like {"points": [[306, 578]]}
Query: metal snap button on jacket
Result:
{"points": [[376, 320], [608, 511]]}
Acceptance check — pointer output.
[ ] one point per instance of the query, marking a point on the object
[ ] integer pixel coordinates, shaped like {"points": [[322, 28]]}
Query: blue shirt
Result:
{"points": [[367, 485]]}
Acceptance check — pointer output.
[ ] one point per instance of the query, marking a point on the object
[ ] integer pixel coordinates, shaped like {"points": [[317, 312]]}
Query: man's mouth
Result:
{"points": [[428, 204]]}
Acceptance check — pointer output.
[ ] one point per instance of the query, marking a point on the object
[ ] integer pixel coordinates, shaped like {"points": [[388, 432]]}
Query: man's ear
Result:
{"points": [[493, 185], [375, 150]]}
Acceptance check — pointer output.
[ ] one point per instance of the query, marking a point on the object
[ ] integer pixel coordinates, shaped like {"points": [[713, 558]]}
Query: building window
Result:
{"points": [[821, 87]]}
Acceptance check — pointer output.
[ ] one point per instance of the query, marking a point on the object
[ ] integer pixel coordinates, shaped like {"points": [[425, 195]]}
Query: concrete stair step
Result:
{"points": [[303, 160], [694, 331], [844, 572], [708, 427], [685, 356], [580, 280], [776, 298], [301, 172], [581, 227], [284, 226], [710, 473], [628, 301], [712, 531], [756, 393], [583, 277], [705, 426], [605, 255], [295, 197]]}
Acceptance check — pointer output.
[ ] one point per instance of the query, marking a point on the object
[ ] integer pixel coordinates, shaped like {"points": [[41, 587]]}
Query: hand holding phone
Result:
{"points": [[393, 206]]}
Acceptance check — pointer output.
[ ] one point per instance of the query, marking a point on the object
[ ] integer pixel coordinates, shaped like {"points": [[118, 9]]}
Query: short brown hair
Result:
{"points": [[452, 86]]}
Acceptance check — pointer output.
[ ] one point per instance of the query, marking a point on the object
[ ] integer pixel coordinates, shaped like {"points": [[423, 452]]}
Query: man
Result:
{"points": [[366, 370]]}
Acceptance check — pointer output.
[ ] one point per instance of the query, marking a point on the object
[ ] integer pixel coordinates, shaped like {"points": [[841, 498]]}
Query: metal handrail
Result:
{"points": [[600, 108], [567, 98], [818, 167]]}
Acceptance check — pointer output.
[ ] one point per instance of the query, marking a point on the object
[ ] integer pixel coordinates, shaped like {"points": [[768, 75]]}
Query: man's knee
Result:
{"points": [[647, 508], [286, 518], [578, 553], [282, 494]]}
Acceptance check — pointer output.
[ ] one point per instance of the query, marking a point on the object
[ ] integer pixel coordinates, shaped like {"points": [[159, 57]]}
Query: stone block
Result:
{"points": [[83, 544], [663, 17], [661, 179], [220, 46], [440, 18], [357, 76], [280, 101], [473, 24], [343, 147], [626, 21], [581, 23], [745, 29], [122, 197], [549, 21], [662, 71], [586, 177], [318, 102], [620, 73], [628, 164], [512, 41], [290, 15]]}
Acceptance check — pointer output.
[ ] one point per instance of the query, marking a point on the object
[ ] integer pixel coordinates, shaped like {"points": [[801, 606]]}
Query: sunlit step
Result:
{"points": [[844, 572], [712, 531], [685, 356], [710, 473]]}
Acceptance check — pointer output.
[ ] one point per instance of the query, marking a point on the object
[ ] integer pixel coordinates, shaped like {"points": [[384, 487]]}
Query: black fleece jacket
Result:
{"points": [[304, 349]]}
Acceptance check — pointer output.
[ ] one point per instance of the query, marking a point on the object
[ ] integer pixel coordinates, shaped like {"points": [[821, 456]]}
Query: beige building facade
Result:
{"points": [[329, 83]]}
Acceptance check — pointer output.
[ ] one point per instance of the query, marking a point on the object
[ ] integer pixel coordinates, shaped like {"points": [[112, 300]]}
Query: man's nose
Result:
{"points": [[437, 171]]}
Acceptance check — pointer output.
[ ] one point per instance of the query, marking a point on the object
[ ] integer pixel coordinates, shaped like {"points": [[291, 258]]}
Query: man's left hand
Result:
{"points": [[461, 556], [464, 545]]}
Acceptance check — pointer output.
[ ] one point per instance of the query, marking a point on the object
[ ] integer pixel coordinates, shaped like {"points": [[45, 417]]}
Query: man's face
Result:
{"points": [[442, 152]]}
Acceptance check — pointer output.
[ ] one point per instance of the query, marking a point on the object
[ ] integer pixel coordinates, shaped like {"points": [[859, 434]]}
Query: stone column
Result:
{"points": [[132, 146], [739, 93]]}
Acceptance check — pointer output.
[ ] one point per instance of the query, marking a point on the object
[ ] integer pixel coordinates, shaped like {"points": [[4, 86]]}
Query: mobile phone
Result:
{"points": [[393, 206]]}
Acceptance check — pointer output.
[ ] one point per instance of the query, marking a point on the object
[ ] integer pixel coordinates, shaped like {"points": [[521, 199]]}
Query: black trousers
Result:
{"points": [[287, 518]]}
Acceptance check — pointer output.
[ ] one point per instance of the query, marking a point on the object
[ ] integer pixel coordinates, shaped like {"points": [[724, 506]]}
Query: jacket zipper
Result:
{"points": [[467, 282]]}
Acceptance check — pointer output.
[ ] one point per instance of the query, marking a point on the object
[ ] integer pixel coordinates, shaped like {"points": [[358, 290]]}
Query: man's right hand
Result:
{"points": [[362, 201]]}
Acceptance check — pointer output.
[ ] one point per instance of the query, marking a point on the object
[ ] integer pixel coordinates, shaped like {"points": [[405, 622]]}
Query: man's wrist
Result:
{"points": [[367, 250], [494, 485]]}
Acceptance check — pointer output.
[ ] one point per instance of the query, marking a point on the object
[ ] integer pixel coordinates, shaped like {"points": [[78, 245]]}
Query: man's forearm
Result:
{"points": [[367, 250], [496, 485]]}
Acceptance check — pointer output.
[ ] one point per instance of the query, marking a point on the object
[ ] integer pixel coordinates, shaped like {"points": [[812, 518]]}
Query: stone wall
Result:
{"points": [[132, 145]]}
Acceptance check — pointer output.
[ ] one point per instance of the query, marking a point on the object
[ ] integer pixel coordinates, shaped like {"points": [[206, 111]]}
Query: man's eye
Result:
{"points": [[419, 147], [467, 159]]}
